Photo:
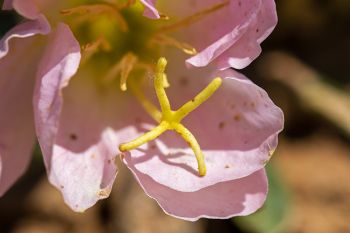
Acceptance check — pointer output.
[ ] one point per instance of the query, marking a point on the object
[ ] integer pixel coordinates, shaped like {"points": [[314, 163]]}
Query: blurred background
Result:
{"points": [[305, 69]]}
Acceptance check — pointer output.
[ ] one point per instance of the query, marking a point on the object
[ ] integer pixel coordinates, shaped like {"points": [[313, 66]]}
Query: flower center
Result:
{"points": [[118, 40], [171, 120]]}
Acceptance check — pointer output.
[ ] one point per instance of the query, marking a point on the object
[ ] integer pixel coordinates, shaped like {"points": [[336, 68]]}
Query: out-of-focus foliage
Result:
{"points": [[269, 219]]}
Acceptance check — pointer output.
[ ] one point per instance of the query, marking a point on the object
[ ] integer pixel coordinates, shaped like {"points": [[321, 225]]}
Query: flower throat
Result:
{"points": [[123, 43]]}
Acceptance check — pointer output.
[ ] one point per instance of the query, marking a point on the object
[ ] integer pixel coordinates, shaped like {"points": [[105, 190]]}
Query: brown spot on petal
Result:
{"points": [[252, 104], [183, 81], [227, 166], [221, 125], [153, 147], [109, 161], [237, 117], [93, 155], [73, 136], [62, 187]]}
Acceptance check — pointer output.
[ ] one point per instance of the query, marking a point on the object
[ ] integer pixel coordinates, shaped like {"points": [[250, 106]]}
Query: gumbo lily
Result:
{"points": [[94, 80]]}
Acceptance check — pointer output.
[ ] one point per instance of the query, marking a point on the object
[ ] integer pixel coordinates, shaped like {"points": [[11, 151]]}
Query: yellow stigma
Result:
{"points": [[169, 119]]}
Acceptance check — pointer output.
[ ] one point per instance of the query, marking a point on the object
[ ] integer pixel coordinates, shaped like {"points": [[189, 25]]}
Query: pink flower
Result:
{"points": [[80, 122]]}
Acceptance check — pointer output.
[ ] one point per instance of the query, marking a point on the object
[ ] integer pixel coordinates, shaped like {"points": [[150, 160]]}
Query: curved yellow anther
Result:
{"points": [[171, 120]]}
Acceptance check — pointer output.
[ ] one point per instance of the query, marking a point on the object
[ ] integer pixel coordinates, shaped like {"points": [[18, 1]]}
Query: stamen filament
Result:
{"points": [[148, 136], [193, 18], [146, 104], [166, 40], [191, 140], [124, 67], [88, 50], [166, 83], [127, 4], [107, 8], [199, 99], [127, 64]]}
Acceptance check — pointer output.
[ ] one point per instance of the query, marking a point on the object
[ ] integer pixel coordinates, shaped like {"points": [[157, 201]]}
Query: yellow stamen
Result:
{"points": [[100, 8], [166, 40], [88, 50], [171, 120], [193, 18], [127, 64], [166, 83], [146, 104], [124, 67], [127, 4]]}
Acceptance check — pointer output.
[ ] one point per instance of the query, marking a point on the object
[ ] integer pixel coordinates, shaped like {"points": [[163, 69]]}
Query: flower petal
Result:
{"points": [[7, 5], [237, 129], [82, 174], [79, 125], [248, 48], [227, 25], [238, 197], [24, 30], [150, 9], [17, 135], [26, 8]]}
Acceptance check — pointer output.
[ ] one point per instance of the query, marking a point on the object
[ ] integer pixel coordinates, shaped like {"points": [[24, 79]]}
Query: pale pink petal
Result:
{"points": [[223, 29], [150, 9], [26, 8], [17, 135], [238, 197], [248, 48], [80, 125], [32, 9], [237, 129], [84, 175], [23, 30], [7, 5]]}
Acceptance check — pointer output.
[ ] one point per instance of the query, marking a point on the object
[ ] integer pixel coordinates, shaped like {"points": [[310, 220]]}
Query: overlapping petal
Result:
{"points": [[238, 197], [150, 9], [7, 5], [80, 174], [79, 123], [233, 32], [17, 134], [26, 29]]}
